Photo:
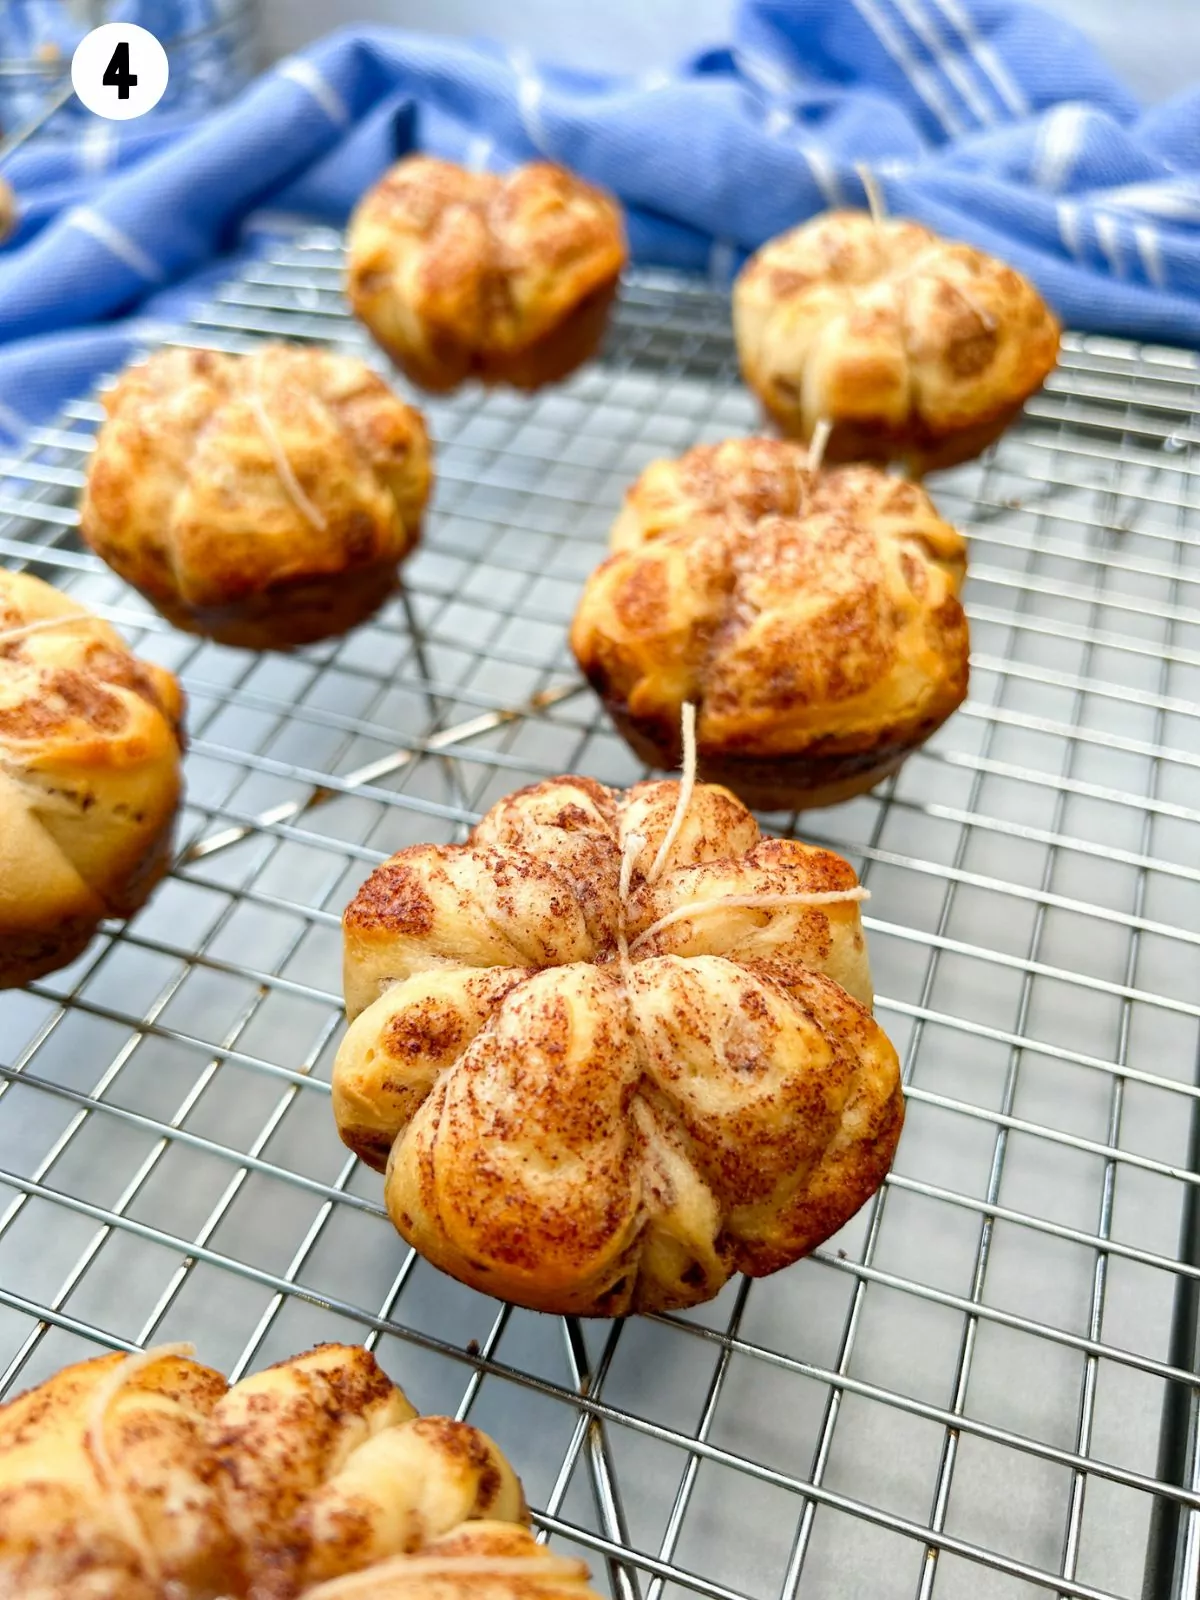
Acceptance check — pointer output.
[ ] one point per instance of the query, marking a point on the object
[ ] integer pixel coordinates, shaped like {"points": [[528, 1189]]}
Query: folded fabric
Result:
{"points": [[987, 119]]}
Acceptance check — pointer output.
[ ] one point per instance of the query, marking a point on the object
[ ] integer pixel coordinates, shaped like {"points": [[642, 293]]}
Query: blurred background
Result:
{"points": [[1153, 44]]}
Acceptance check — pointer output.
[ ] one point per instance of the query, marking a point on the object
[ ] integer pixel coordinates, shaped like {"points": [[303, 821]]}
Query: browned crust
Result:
{"points": [[287, 615], [915, 347], [29, 953], [812, 618], [129, 898], [919, 449], [90, 745], [858, 1180], [547, 359], [772, 783]]}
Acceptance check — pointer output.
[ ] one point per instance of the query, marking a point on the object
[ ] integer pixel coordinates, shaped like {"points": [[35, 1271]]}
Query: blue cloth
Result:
{"points": [[987, 119]]}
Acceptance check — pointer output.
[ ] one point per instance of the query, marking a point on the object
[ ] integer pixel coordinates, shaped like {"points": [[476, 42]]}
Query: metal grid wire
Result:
{"points": [[984, 1385]]}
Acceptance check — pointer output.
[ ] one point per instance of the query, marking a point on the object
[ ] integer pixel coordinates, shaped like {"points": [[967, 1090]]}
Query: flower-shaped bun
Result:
{"points": [[813, 618], [264, 500], [462, 274], [615, 1048], [149, 1478], [90, 747], [914, 347]]}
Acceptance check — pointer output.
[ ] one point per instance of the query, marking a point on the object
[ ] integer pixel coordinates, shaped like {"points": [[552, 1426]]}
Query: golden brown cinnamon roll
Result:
{"points": [[614, 1048], [90, 746], [507, 279], [915, 348], [812, 618], [149, 1478], [264, 500]]}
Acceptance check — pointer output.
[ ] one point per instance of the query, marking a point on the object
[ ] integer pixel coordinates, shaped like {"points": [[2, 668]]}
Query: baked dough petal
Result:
{"points": [[762, 1066], [34, 870], [822, 938], [435, 906], [395, 1050], [520, 1165]]}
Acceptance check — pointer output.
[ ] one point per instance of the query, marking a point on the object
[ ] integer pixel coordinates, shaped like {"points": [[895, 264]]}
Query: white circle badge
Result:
{"points": [[119, 71]]}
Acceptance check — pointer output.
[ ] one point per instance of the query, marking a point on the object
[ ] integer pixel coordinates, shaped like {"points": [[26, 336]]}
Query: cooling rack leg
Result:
{"points": [[435, 703], [599, 1458], [799, 1551], [683, 1494]]}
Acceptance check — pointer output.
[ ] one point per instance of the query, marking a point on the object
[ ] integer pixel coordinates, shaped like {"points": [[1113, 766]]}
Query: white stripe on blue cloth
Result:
{"points": [[120, 244], [916, 74], [1175, 198], [529, 98], [1059, 139], [771, 76], [921, 24], [824, 172], [301, 71], [1146, 240], [1108, 234], [1068, 227], [780, 122], [97, 146], [986, 58]]}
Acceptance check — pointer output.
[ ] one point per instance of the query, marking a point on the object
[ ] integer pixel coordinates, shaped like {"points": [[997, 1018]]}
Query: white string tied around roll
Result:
{"points": [[634, 843]]}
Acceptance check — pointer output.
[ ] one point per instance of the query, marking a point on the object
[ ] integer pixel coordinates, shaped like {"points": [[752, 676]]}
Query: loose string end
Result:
{"points": [[687, 786], [817, 444], [874, 192], [634, 842], [629, 854]]}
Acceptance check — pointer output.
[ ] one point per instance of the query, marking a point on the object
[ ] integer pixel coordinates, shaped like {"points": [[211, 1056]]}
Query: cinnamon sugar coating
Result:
{"points": [[582, 1131], [463, 274], [167, 1484], [915, 348], [90, 746], [265, 500], [812, 618]]}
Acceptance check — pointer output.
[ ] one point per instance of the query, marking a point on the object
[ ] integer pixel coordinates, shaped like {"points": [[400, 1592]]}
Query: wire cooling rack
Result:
{"points": [[984, 1386]]}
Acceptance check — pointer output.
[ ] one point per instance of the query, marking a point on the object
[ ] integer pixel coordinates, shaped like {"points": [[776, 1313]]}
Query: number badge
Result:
{"points": [[119, 71]]}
